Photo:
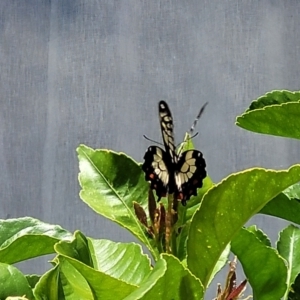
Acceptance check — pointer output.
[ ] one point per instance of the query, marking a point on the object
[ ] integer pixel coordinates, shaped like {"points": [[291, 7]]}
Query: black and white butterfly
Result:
{"points": [[171, 173]]}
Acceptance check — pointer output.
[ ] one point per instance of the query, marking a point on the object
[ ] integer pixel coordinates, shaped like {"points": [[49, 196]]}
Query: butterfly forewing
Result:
{"points": [[166, 123]]}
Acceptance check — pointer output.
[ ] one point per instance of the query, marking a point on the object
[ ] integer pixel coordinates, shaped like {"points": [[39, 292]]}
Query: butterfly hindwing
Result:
{"points": [[156, 170], [189, 174]]}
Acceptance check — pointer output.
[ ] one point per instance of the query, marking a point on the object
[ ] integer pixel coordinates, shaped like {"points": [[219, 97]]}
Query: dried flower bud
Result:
{"points": [[140, 213]]}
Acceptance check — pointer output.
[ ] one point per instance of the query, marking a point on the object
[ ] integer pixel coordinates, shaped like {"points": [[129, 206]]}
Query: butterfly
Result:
{"points": [[171, 173]]}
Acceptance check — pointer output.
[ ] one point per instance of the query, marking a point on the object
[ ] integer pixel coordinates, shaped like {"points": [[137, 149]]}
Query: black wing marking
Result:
{"points": [[189, 174], [156, 170], [166, 124]]}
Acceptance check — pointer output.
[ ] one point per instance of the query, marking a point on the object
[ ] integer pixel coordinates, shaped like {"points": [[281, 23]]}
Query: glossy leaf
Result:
{"points": [[169, 280], [294, 293], [74, 284], [77, 248], [33, 279], [260, 235], [110, 183], [226, 208], [185, 214], [288, 247], [13, 283], [283, 207], [48, 287], [181, 240], [82, 282], [273, 98], [293, 191], [25, 238], [264, 268], [222, 261], [125, 261], [276, 113]]}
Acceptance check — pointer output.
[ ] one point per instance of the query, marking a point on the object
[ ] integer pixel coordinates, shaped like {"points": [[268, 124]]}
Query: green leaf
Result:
{"points": [[181, 241], [110, 183], [77, 248], [13, 283], [25, 238], [293, 191], [48, 287], [73, 282], [222, 261], [169, 280], [185, 214], [80, 281], [226, 208], [125, 261], [288, 247], [276, 113], [263, 267], [273, 98], [294, 293], [155, 278], [283, 207], [33, 279], [260, 235]]}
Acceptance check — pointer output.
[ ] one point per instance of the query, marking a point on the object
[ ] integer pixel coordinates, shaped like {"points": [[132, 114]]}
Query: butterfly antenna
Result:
{"points": [[192, 128], [197, 118], [152, 140], [189, 138]]}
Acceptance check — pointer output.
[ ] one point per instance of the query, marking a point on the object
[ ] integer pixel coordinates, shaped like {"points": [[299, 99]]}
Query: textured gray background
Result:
{"points": [[92, 72]]}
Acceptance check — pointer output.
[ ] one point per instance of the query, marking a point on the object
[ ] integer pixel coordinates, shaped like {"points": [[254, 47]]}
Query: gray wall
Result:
{"points": [[92, 72]]}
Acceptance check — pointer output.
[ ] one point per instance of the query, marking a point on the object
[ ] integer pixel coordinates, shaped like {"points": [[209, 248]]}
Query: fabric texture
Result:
{"points": [[92, 72]]}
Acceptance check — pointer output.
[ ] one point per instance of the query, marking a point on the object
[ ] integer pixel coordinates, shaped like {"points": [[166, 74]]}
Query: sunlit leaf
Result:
{"points": [[82, 282], [288, 247], [169, 280], [264, 268], [226, 208], [25, 238], [13, 283], [48, 287], [260, 235], [111, 182], [294, 293], [283, 207], [125, 261], [276, 113]]}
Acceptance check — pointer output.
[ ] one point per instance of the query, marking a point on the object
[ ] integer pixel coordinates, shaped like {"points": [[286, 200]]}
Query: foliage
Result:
{"points": [[188, 245]]}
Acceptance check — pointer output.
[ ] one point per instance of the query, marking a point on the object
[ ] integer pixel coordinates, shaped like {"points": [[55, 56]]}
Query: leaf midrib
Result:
{"points": [[126, 206]]}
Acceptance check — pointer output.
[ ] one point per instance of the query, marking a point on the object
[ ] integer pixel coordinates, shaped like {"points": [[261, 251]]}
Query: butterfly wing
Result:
{"points": [[166, 124], [156, 170], [189, 174], [169, 173]]}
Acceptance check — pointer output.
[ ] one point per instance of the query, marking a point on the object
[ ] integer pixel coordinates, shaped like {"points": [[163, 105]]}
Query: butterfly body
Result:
{"points": [[171, 173]]}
